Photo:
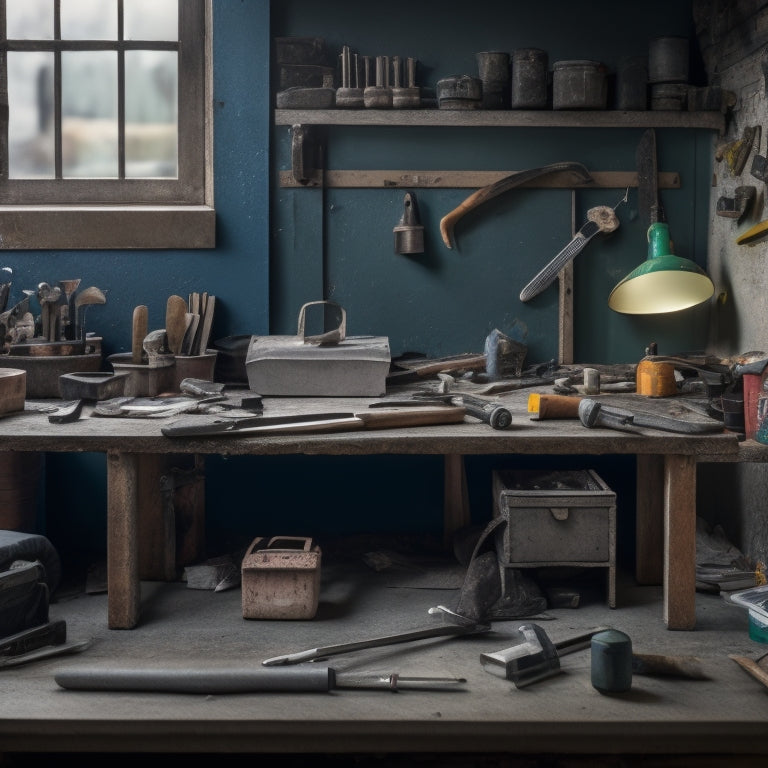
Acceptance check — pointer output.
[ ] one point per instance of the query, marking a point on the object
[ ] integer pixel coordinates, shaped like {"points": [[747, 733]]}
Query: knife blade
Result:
{"points": [[339, 421], [602, 218]]}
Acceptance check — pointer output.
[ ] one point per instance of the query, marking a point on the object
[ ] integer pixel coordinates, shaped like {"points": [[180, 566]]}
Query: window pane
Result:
{"points": [[30, 125], [151, 115], [29, 19], [89, 114], [88, 19], [150, 20]]}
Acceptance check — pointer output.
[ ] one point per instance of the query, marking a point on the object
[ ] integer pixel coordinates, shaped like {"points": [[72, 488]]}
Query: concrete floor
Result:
{"points": [[556, 722]]}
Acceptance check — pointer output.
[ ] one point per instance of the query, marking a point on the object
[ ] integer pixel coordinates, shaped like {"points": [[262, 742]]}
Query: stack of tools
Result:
{"points": [[53, 342], [161, 359]]}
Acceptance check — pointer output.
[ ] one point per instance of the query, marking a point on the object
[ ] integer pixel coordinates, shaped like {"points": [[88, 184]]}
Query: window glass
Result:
{"points": [[89, 136], [151, 114], [150, 20], [88, 19], [29, 19], [30, 124]]}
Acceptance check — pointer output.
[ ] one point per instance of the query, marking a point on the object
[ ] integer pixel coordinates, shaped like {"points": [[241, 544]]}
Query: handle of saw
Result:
{"points": [[448, 222]]}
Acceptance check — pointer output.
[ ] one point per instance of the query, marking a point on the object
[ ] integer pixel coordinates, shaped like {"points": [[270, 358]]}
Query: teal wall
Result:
{"points": [[278, 248]]}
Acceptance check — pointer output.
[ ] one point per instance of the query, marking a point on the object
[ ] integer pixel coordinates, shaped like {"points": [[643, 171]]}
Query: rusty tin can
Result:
{"points": [[530, 75], [579, 84]]}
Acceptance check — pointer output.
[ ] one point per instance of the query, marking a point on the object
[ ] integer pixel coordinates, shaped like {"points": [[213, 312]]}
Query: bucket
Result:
{"points": [[19, 478], [194, 367]]}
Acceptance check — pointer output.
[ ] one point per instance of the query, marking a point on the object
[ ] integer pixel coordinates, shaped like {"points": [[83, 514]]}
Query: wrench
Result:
{"points": [[595, 414]]}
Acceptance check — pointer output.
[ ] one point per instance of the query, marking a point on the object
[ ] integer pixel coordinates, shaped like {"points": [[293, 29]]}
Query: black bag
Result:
{"points": [[30, 571]]}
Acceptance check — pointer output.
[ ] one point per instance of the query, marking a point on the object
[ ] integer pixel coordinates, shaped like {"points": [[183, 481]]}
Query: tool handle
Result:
{"points": [[752, 667], [493, 414], [197, 680], [411, 417], [448, 222]]}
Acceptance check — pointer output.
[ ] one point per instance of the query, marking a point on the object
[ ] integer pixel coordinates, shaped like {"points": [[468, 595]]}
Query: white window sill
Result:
{"points": [[58, 227]]}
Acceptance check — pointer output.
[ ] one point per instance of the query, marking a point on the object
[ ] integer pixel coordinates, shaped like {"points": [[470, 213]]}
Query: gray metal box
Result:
{"points": [[329, 365], [556, 519]]}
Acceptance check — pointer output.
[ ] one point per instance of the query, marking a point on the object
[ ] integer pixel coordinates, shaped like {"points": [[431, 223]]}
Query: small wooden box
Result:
{"points": [[556, 519], [281, 578]]}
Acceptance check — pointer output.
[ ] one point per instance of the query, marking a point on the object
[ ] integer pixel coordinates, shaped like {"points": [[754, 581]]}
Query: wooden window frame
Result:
{"points": [[122, 213]]}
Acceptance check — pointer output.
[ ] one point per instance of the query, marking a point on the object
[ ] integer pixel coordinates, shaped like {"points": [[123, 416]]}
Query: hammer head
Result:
{"points": [[533, 658]]}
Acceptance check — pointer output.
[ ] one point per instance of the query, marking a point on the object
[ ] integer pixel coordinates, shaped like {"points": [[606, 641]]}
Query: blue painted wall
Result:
{"points": [[278, 248]]}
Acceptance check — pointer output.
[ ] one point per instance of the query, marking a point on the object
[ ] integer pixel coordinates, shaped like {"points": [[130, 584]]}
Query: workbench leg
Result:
{"points": [[649, 525], [680, 542], [456, 498], [123, 587]]}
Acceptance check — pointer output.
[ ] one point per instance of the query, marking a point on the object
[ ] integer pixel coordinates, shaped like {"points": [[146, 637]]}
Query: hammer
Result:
{"points": [[535, 657]]}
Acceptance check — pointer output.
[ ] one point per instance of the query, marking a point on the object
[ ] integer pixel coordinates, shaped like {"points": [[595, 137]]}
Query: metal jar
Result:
{"points": [[529, 78], [668, 60], [579, 85]]}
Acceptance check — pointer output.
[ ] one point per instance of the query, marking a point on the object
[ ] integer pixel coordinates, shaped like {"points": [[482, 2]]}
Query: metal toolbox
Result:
{"points": [[281, 578], [330, 365], [556, 519]]}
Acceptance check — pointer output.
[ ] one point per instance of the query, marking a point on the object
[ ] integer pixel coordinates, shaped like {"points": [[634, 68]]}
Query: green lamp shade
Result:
{"points": [[663, 283]]}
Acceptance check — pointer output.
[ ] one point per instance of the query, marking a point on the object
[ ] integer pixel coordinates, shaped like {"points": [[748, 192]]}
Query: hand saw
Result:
{"points": [[602, 218], [342, 421]]}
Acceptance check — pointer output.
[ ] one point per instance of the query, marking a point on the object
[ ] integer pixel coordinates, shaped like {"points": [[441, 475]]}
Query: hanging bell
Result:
{"points": [[409, 233]]}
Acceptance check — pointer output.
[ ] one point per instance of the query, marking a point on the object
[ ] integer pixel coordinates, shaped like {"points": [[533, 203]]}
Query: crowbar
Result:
{"points": [[458, 625], [484, 194]]}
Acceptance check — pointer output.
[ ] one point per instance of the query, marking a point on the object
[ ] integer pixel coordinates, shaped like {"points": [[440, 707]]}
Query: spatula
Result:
{"points": [[175, 322]]}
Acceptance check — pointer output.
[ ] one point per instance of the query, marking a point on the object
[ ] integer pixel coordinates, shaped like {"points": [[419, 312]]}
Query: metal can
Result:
{"points": [[579, 85], [632, 83], [668, 60], [529, 78]]}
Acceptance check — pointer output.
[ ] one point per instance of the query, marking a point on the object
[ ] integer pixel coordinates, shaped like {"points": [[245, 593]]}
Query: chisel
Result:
{"points": [[309, 679]]}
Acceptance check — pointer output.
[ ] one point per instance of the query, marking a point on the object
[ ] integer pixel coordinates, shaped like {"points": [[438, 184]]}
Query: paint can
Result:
{"points": [[529, 78], [579, 85]]}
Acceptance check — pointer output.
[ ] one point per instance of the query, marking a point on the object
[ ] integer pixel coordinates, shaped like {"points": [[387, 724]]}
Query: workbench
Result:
{"points": [[666, 488]]}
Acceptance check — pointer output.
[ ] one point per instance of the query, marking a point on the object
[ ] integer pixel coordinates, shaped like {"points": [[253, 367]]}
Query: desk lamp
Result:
{"points": [[663, 283]]}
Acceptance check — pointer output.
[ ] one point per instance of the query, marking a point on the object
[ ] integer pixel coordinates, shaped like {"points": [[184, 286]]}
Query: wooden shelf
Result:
{"points": [[714, 121]]}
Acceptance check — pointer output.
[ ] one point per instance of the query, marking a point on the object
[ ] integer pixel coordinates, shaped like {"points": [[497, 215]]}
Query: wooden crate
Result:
{"points": [[556, 519]]}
